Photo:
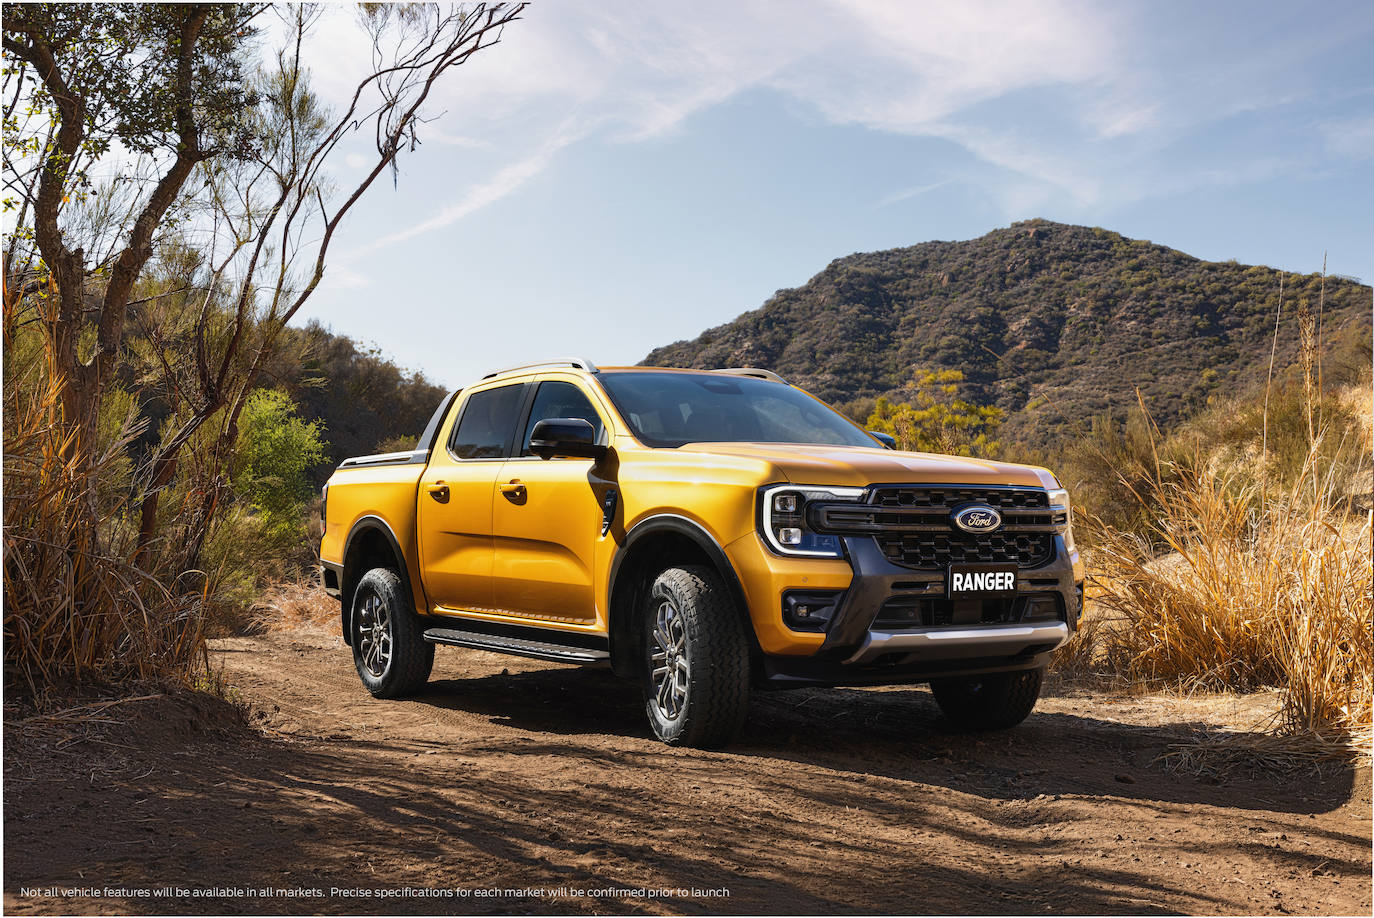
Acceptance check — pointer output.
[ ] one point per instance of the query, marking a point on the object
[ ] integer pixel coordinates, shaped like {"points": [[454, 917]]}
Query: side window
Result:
{"points": [[560, 400], [489, 418]]}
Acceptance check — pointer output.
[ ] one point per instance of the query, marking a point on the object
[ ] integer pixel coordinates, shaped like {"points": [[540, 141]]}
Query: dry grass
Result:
{"points": [[1080, 658], [75, 606], [288, 605], [1258, 589], [1220, 754]]}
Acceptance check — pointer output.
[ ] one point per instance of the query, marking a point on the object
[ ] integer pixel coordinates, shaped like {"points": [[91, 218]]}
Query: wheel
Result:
{"points": [[991, 702], [392, 657], [696, 685]]}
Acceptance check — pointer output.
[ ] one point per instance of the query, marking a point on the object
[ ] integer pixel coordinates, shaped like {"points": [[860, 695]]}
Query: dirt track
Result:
{"points": [[517, 775]]}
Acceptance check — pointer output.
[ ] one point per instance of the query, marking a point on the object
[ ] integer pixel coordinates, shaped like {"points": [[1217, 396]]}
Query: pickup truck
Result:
{"points": [[705, 533]]}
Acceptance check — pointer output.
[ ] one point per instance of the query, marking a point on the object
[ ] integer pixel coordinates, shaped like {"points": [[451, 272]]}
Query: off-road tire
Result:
{"points": [[408, 656], [991, 702], [716, 651]]}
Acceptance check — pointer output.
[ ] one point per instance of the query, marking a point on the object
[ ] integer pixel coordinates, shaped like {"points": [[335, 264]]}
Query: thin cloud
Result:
{"points": [[1065, 102], [911, 193], [507, 180], [1352, 138]]}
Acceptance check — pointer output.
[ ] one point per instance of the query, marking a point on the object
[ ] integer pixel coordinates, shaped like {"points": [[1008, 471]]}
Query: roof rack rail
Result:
{"points": [[754, 372], [576, 362]]}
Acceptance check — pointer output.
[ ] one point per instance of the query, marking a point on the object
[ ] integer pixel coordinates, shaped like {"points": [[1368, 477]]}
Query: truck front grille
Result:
{"points": [[913, 526], [934, 550], [945, 498]]}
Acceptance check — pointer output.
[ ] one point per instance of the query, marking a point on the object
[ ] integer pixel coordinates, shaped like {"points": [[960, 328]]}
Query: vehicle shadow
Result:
{"points": [[901, 734]]}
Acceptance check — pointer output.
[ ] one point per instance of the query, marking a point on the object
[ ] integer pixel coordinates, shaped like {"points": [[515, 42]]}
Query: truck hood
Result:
{"points": [[857, 465]]}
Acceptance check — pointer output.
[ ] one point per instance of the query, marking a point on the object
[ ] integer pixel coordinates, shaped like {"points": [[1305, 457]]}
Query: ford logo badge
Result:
{"points": [[977, 518]]}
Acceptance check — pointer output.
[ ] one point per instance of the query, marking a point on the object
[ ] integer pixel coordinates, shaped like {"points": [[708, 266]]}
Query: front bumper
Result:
{"points": [[860, 649], [944, 643]]}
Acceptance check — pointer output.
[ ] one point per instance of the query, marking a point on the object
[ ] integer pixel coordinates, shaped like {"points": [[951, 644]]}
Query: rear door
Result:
{"points": [[547, 518], [454, 515]]}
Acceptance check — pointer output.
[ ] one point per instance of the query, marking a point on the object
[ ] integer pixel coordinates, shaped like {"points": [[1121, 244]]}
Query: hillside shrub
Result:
{"points": [[936, 420]]}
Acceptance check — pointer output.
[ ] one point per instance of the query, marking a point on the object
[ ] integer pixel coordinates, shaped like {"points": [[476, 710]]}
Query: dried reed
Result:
{"points": [[75, 606], [1260, 589]]}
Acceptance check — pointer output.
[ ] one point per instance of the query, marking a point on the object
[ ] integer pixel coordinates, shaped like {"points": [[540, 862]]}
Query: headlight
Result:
{"points": [[1059, 503], [782, 519]]}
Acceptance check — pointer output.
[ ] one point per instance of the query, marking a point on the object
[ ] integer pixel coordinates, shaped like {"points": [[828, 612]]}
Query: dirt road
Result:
{"points": [[518, 786]]}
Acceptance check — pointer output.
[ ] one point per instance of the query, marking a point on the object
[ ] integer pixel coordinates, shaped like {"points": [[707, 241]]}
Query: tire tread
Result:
{"points": [[718, 702], [412, 657]]}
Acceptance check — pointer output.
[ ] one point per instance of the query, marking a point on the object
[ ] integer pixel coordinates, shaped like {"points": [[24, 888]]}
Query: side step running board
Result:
{"points": [[519, 647]]}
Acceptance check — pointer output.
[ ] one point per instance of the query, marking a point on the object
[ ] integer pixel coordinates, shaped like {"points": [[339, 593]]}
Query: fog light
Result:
{"points": [[790, 536], [810, 610]]}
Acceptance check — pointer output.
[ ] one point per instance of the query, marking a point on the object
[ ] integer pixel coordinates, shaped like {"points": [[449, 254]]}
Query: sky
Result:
{"points": [[621, 174]]}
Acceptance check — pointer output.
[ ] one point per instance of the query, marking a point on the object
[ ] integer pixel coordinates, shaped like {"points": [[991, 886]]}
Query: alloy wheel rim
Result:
{"points": [[374, 635], [668, 661]]}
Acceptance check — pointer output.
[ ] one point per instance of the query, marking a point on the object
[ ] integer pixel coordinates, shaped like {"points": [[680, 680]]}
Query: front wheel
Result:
{"points": [[992, 702], [391, 655], [696, 686]]}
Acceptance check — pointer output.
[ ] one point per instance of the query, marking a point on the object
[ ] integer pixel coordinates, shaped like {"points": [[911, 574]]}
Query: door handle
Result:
{"points": [[438, 491], [514, 491]]}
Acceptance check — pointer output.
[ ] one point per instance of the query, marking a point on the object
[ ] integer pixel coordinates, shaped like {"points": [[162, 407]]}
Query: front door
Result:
{"points": [[454, 514], [547, 518]]}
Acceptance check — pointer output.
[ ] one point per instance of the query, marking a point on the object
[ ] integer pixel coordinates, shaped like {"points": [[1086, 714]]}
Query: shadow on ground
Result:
{"points": [[901, 734]]}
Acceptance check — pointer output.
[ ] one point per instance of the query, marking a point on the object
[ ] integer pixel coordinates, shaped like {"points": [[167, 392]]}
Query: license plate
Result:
{"points": [[976, 580]]}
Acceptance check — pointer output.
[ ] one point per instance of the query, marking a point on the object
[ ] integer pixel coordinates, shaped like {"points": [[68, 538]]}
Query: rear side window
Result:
{"points": [[488, 423], [560, 400]]}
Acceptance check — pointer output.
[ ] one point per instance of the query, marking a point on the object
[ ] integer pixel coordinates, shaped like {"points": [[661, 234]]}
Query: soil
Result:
{"points": [[512, 785]]}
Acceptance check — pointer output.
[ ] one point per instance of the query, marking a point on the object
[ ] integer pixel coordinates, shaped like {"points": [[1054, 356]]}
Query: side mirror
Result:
{"points": [[885, 439], [565, 437]]}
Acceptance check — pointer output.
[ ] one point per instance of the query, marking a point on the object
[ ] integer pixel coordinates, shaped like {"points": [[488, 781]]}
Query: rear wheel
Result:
{"points": [[696, 657], [391, 655], [992, 702]]}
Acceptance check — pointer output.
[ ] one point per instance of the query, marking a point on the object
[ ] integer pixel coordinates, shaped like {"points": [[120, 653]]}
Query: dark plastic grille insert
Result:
{"points": [[947, 498], [935, 550], [902, 612]]}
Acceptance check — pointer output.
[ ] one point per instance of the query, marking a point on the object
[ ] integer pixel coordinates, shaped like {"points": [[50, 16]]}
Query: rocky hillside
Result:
{"points": [[1049, 321]]}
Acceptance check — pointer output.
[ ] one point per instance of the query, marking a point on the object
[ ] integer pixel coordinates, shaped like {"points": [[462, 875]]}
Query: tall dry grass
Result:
{"points": [[75, 607], [1258, 587], [291, 604]]}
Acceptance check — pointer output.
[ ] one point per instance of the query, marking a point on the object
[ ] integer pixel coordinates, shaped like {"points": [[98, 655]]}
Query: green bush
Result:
{"points": [[275, 449], [935, 420]]}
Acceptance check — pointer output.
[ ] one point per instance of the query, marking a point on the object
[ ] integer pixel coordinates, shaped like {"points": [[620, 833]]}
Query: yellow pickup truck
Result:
{"points": [[706, 533]]}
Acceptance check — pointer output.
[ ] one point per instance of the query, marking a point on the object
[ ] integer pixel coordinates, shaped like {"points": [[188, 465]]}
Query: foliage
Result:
{"points": [[362, 398], [275, 449], [161, 294], [1054, 324], [1235, 553], [394, 445], [1115, 469], [74, 603], [934, 420]]}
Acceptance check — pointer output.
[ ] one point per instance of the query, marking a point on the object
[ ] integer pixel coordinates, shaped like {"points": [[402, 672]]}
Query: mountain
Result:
{"points": [[1052, 322]]}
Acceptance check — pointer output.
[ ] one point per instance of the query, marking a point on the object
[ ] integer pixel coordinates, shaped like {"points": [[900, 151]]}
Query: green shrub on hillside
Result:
{"points": [[935, 420]]}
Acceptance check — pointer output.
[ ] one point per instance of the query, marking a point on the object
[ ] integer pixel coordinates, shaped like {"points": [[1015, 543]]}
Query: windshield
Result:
{"points": [[670, 409]]}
